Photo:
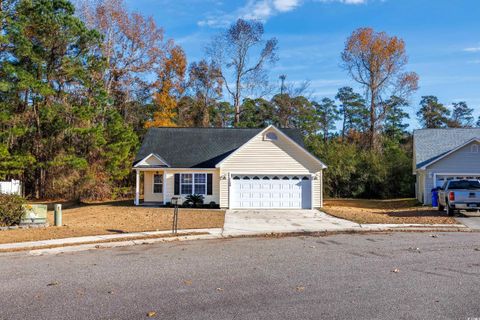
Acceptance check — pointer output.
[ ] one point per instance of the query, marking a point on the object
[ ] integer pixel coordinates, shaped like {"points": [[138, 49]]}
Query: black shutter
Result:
{"points": [[176, 189], [209, 183]]}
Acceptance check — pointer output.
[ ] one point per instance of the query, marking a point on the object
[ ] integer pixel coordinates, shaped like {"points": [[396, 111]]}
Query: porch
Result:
{"points": [[160, 185]]}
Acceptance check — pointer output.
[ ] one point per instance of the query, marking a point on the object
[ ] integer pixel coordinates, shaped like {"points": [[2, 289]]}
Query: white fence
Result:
{"points": [[11, 187]]}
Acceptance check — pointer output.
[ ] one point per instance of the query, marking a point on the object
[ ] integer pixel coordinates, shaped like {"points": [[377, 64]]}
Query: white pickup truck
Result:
{"points": [[459, 195]]}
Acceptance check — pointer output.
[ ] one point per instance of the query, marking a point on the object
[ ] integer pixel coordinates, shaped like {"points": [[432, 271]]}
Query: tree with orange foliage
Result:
{"points": [[134, 47], [377, 61], [170, 86]]}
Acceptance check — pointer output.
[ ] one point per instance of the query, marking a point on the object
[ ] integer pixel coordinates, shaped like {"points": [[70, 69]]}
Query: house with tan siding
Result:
{"points": [[233, 168]]}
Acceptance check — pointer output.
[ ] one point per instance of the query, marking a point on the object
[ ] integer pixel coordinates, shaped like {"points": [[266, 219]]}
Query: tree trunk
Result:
{"points": [[236, 100], [371, 136]]}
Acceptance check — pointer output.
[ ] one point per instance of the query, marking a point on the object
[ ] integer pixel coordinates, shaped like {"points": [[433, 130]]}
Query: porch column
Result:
{"points": [[164, 187], [137, 188], [312, 186]]}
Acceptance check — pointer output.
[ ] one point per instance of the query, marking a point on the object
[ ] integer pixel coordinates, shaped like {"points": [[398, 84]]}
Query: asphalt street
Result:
{"points": [[357, 276]]}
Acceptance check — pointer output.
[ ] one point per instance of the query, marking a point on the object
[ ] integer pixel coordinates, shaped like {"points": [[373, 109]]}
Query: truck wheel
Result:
{"points": [[440, 207], [450, 211]]}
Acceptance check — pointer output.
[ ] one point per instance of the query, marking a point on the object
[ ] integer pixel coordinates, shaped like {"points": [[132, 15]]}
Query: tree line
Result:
{"points": [[80, 85]]}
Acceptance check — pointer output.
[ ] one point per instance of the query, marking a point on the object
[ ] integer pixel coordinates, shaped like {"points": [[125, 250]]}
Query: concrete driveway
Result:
{"points": [[471, 222], [244, 222]]}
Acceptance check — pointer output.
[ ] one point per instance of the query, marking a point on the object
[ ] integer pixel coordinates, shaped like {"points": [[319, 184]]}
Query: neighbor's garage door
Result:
{"points": [[441, 178], [270, 192]]}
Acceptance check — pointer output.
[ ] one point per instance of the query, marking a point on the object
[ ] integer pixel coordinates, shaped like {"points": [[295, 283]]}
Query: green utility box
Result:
{"points": [[34, 213]]}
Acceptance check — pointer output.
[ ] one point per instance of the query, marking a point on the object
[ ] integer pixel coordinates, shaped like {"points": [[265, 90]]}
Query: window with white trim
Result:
{"points": [[193, 183], [157, 183]]}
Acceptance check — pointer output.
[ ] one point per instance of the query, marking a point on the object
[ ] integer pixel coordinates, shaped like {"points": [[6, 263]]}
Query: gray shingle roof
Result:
{"points": [[199, 147], [430, 144]]}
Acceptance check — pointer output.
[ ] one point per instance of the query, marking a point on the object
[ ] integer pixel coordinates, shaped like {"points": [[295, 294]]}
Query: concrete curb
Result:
{"points": [[104, 245], [74, 244], [100, 238]]}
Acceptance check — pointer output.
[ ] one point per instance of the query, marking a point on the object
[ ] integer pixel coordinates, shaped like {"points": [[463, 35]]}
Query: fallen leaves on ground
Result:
{"points": [[187, 282], [396, 270], [385, 211], [219, 289], [151, 314], [300, 289], [53, 283]]}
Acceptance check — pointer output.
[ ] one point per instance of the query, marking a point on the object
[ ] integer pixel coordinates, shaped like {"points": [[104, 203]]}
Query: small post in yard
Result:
{"points": [[57, 209], [175, 215]]}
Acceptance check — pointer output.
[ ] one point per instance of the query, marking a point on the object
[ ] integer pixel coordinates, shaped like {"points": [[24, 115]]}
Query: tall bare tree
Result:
{"points": [[205, 80], [377, 62], [134, 48], [233, 51]]}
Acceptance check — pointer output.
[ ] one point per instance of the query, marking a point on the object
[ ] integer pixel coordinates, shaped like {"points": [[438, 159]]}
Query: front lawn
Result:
{"points": [[116, 217], [395, 211]]}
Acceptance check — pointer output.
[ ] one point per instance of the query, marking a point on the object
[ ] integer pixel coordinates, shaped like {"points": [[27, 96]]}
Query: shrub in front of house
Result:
{"points": [[193, 200], [11, 209], [186, 204]]}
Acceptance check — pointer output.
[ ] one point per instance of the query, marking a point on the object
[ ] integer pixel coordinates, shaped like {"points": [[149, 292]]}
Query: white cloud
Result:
{"points": [[285, 5], [472, 49], [261, 10], [345, 1]]}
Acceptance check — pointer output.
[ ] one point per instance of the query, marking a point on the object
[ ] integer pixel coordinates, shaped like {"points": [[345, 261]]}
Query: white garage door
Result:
{"points": [[270, 192], [441, 178]]}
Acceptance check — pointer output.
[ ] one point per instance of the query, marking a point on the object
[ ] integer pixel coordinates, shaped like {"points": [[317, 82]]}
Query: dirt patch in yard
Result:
{"points": [[396, 211], [116, 218]]}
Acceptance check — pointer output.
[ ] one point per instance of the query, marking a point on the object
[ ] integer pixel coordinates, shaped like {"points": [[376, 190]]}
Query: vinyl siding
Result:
{"points": [[461, 162], [169, 185], [270, 157], [148, 195]]}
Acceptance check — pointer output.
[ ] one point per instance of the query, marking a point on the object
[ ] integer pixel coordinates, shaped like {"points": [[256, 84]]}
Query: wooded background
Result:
{"points": [[80, 84]]}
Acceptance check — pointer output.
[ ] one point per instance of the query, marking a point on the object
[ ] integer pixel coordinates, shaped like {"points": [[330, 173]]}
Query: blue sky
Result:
{"points": [[442, 38]]}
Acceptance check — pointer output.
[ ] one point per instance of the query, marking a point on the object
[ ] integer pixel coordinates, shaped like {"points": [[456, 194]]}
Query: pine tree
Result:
{"points": [[327, 113], [395, 126], [462, 116], [353, 110], [432, 114]]}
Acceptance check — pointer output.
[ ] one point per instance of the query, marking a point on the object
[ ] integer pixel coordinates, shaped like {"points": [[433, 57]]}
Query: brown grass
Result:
{"points": [[116, 218], [396, 211]]}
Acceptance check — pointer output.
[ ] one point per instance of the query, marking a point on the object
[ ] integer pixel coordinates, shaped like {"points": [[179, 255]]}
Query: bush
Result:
{"points": [[194, 200], [11, 209]]}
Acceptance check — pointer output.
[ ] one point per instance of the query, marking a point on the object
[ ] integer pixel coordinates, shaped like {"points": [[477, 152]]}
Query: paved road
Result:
{"points": [[334, 277]]}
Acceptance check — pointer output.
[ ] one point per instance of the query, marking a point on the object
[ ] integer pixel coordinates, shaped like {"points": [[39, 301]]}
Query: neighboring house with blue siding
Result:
{"points": [[444, 154]]}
